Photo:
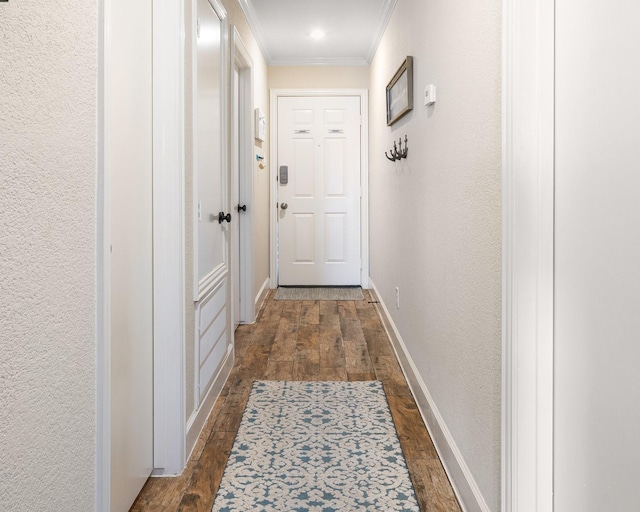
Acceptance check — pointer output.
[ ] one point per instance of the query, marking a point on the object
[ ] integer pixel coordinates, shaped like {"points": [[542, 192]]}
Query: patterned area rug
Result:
{"points": [[316, 447], [299, 293]]}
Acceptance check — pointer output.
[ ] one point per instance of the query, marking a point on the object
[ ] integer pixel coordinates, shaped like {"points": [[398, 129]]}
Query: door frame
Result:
{"points": [[241, 60], [528, 76], [168, 250], [363, 94], [169, 239]]}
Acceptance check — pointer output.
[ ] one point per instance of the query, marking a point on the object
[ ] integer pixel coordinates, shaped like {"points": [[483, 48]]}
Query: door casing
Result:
{"points": [[363, 94], [528, 44]]}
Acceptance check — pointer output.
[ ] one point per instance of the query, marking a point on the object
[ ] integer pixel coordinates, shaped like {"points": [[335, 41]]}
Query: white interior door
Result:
{"points": [[319, 197], [212, 193], [128, 162], [214, 217]]}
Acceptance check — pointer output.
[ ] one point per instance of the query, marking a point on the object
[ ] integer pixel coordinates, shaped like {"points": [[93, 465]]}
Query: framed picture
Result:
{"points": [[400, 92], [261, 125]]}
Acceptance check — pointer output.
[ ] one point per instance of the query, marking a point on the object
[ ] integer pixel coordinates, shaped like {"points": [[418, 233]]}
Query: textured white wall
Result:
{"points": [[48, 77], [435, 217]]}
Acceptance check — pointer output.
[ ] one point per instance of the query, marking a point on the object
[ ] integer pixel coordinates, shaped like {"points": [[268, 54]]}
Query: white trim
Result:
{"points": [[242, 61], [194, 142], [462, 481], [210, 281], [364, 189], [256, 29], [262, 295], [527, 273], [199, 416], [363, 94], [169, 455], [385, 17]]}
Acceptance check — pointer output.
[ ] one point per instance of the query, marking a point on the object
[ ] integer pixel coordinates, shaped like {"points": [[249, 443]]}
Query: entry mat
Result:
{"points": [[318, 293], [316, 446]]}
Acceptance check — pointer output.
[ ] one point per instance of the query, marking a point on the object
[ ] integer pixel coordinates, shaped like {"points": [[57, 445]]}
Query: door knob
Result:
{"points": [[284, 206], [222, 216], [242, 208]]}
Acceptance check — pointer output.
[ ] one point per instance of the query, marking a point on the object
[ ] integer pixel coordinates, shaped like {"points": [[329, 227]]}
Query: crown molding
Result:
{"points": [[256, 28], [385, 17]]}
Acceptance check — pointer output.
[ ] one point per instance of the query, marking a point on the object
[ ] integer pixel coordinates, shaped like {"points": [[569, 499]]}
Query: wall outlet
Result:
{"points": [[397, 298]]}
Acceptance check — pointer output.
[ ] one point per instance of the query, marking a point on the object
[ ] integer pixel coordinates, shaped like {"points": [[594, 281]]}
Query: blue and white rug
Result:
{"points": [[316, 447]]}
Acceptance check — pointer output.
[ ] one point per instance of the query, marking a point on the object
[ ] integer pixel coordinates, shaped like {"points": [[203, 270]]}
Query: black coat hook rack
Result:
{"points": [[397, 153]]}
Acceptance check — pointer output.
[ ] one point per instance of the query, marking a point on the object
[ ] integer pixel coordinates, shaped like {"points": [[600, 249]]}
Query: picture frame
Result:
{"points": [[261, 125], [400, 92]]}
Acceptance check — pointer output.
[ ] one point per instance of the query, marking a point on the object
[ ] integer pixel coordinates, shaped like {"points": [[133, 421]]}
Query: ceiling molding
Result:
{"points": [[385, 17], [256, 28]]}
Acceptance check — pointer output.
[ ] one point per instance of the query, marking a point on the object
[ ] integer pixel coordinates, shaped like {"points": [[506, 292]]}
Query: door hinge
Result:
{"points": [[198, 28]]}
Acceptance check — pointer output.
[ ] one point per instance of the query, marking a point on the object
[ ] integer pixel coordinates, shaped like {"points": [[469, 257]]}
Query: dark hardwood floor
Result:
{"points": [[304, 340]]}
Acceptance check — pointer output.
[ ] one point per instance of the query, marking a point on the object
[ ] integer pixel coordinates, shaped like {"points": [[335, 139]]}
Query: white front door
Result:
{"points": [[319, 191], [128, 167]]}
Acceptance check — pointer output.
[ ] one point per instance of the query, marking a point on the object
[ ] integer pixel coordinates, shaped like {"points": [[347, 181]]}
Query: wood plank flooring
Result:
{"points": [[304, 340]]}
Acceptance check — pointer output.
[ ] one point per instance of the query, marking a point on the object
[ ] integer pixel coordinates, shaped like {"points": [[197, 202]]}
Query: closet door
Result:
{"points": [[128, 168], [597, 256]]}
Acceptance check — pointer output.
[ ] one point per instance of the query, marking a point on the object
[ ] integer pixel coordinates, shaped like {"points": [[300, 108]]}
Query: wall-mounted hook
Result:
{"points": [[403, 153], [397, 153], [394, 153]]}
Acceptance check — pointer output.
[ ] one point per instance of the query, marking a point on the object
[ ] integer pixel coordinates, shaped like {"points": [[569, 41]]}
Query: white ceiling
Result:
{"points": [[283, 28]]}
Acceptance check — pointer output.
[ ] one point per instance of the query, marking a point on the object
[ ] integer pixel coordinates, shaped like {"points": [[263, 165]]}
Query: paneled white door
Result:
{"points": [[128, 166], [319, 191], [214, 218]]}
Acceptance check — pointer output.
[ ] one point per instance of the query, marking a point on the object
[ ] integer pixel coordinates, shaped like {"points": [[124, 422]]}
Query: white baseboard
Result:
{"points": [[262, 295], [199, 417], [462, 481]]}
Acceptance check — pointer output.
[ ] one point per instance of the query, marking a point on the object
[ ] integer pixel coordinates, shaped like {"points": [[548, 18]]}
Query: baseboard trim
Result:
{"points": [[198, 418], [462, 481], [262, 295]]}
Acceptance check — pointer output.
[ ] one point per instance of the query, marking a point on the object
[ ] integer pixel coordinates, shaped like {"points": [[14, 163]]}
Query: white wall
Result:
{"points": [[436, 219], [597, 288], [318, 77], [48, 104]]}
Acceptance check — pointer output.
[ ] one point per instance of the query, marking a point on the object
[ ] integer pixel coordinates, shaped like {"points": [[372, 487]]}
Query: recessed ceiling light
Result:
{"points": [[317, 34]]}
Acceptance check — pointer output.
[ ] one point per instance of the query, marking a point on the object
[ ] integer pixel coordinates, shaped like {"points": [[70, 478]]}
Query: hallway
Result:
{"points": [[304, 340]]}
